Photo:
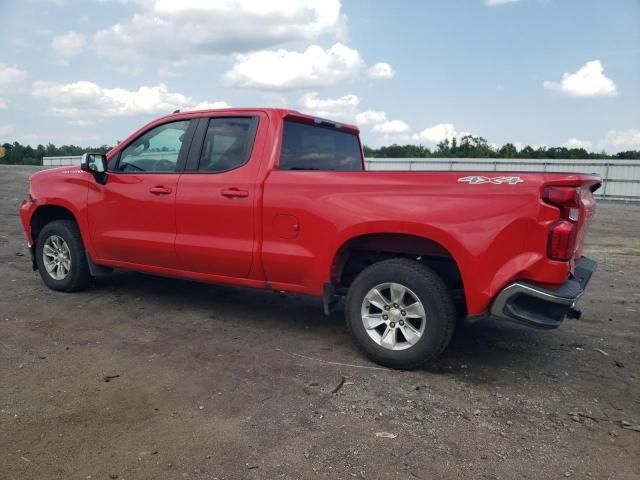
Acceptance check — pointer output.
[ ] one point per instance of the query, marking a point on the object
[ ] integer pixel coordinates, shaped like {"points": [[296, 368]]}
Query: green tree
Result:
{"points": [[18, 154], [508, 150]]}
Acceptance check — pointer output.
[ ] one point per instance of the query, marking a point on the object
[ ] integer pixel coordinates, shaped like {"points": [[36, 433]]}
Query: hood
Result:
{"points": [[53, 172]]}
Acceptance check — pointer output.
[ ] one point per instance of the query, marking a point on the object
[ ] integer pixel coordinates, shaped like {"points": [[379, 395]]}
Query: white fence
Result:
{"points": [[621, 178], [75, 160], [60, 161]]}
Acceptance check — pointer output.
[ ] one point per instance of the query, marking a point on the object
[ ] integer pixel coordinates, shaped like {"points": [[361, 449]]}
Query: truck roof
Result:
{"points": [[272, 112]]}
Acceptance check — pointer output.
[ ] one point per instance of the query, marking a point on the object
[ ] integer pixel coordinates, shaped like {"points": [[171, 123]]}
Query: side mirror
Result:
{"points": [[96, 164]]}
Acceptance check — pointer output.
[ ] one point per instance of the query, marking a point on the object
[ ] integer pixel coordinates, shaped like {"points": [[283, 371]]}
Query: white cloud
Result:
{"points": [[6, 130], [391, 127], [68, 45], [82, 123], [345, 109], [284, 69], [3, 104], [381, 71], [173, 30], [621, 140], [206, 105], [165, 72], [390, 139], [391, 130], [588, 81], [342, 108], [370, 117], [87, 98], [577, 143], [10, 76], [493, 3], [438, 133]]}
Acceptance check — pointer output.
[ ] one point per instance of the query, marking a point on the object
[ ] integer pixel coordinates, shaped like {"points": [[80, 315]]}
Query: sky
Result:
{"points": [[530, 72]]}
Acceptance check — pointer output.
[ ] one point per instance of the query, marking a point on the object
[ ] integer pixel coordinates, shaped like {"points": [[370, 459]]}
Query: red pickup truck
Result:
{"points": [[275, 199]]}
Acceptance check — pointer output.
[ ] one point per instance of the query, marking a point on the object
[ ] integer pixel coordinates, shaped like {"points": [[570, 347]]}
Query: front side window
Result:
{"points": [[227, 144], [311, 147], [155, 151]]}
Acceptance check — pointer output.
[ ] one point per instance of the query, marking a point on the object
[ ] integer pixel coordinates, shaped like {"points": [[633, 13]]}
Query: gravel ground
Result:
{"points": [[152, 378]]}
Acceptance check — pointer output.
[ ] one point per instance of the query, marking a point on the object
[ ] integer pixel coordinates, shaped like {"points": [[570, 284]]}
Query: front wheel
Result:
{"points": [[61, 257], [400, 313]]}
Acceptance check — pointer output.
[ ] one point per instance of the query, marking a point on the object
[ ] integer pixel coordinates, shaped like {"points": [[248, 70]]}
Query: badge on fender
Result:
{"points": [[474, 180]]}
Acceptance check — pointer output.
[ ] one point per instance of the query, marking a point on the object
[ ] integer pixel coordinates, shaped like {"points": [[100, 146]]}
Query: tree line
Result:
{"points": [[468, 146], [17, 154], [471, 146]]}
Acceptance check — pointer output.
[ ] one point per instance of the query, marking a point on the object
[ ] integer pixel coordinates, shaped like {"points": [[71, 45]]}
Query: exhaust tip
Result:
{"points": [[574, 313]]}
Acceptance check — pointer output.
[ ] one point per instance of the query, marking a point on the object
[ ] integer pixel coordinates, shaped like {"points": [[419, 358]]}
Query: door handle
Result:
{"points": [[160, 190], [234, 193]]}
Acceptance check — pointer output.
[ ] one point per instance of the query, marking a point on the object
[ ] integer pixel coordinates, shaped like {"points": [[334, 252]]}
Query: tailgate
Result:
{"points": [[587, 211]]}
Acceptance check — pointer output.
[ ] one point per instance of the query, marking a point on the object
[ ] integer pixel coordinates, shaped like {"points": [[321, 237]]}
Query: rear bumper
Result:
{"points": [[534, 306]]}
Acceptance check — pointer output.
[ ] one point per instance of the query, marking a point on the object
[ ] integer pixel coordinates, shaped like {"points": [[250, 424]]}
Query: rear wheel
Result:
{"points": [[400, 313], [61, 257]]}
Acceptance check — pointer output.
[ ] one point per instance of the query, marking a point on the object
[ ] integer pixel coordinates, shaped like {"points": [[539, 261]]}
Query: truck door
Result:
{"points": [[217, 196], [132, 216]]}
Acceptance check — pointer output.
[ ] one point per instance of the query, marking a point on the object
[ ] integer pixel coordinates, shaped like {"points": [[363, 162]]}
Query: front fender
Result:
{"points": [[66, 188]]}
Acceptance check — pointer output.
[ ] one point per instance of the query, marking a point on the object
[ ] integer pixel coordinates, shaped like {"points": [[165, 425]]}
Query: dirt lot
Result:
{"points": [[220, 382]]}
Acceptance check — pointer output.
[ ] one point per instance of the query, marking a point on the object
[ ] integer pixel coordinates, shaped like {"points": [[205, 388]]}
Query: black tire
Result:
{"points": [[78, 277], [440, 313]]}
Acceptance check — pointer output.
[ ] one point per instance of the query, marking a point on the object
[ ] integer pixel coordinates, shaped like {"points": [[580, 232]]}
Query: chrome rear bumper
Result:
{"points": [[534, 306]]}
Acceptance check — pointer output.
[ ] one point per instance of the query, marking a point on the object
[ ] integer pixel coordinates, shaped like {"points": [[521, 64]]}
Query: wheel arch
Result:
{"points": [[365, 248], [48, 213]]}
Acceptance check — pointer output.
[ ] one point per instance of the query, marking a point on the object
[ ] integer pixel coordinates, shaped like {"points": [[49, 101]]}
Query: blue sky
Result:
{"points": [[538, 72]]}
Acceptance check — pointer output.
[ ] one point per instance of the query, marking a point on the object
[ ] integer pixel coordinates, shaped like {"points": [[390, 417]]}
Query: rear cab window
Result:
{"points": [[317, 147]]}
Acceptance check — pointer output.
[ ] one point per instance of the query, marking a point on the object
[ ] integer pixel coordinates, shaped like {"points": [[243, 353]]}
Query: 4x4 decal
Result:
{"points": [[474, 180]]}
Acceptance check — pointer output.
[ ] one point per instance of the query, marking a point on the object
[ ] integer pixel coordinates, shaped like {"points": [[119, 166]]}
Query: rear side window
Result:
{"points": [[227, 144], [311, 147]]}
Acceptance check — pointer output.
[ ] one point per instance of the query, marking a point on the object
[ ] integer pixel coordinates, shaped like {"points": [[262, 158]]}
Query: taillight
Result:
{"points": [[561, 196], [562, 234], [567, 199], [562, 240]]}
